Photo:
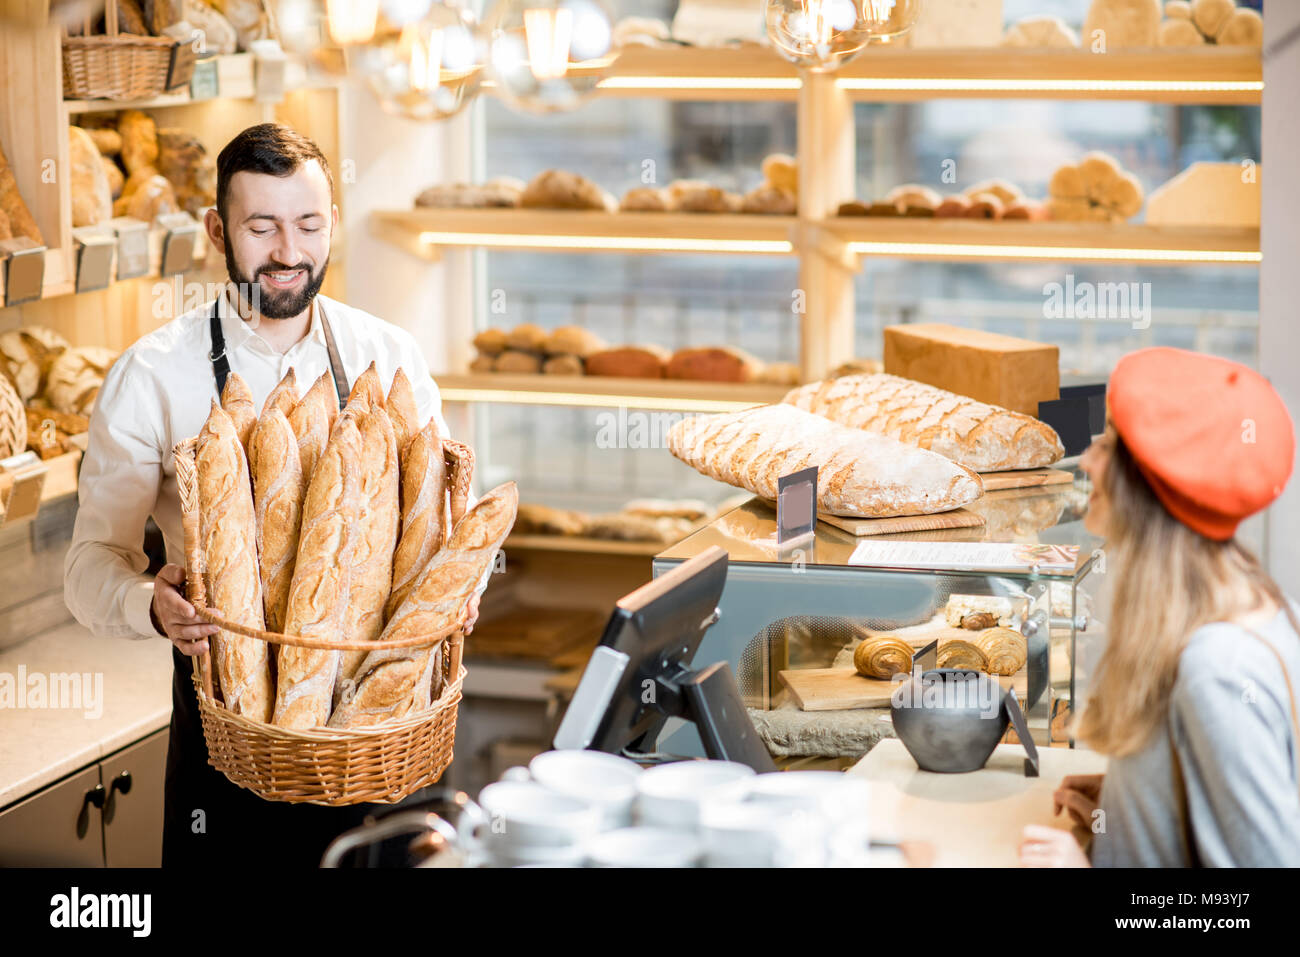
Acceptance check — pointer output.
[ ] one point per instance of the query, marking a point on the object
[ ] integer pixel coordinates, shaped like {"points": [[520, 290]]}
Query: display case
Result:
{"points": [[792, 615]]}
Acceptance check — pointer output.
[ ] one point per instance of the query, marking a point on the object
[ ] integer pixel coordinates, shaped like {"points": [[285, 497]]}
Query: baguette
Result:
{"points": [[237, 401], [322, 581], [311, 421], [860, 474], [227, 529], [460, 460], [402, 412], [424, 496], [284, 396], [279, 488], [367, 392], [981, 437], [397, 681], [372, 562]]}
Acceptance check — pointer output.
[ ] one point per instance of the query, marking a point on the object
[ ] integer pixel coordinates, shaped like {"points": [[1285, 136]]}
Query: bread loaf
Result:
{"points": [[139, 140], [981, 437], [563, 365], [391, 683], [1244, 28], [219, 34], [248, 17], [75, 377], [543, 520], [860, 473], [372, 561], [572, 340], [560, 189], [491, 342], [713, 364], [424, 500], [367, 392], [499, 192], [6, 231], [526, 337], [184, 162], [402, 412], [460, 460], [284, 396], [312, 421], [11, 203], [646, 199], [279, 488], [1124, 24], [636, 362], [154, 197], [116, 181], [26, 356], [92, 198], [107, 140], [237, 401], [322, 580], [512, 360], [766, 199], [227, 540]]}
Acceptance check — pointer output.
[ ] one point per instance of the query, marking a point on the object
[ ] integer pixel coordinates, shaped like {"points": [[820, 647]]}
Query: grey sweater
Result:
{"points": [[1232, 725]]}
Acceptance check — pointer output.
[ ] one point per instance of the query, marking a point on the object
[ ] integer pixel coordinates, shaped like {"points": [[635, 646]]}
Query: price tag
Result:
{"points": [[1022, 732], [796, 504], [178, 244], [24, 269], [132, 246], [927, 658], [94, 257]]}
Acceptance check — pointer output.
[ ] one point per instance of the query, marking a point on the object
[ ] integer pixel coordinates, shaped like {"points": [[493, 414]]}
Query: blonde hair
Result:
{"points": [[1168, 581]]}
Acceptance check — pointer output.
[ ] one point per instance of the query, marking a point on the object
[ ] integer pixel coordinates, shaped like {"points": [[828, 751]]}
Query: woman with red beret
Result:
{"points": [[1193, 699]]}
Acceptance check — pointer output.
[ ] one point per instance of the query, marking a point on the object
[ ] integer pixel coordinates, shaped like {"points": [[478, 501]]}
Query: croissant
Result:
{"points": [[962, 654], [882, 656], [1005, 649]]}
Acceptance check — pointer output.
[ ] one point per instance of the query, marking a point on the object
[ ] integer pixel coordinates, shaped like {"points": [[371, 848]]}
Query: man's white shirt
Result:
{"points": [[159, 393]]}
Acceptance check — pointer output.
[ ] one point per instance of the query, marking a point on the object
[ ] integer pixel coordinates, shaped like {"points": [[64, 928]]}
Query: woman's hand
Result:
{"points": [[1050, 847], [175, 617], [1080, 794]]}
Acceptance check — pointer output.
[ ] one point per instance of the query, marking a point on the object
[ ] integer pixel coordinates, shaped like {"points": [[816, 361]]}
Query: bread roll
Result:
{"points": [[139, 140], [367, 392], [637, 362], [392, 683], [697, 196], [978, 436], [544, 520], [958, 653], [490, 342], [646, 199], [1040, 32], [953, 206], [284, 396], [1004, 191], [402, 412], [92, 198], [768, 200], [526, 337], [713, 364], [985, 205], [1179, 33], [562, 365], [913, 194], [237, 401], [572, 340], [311, 423], [322, 580], [227, 540], [782, 171], [424, 494], [512, 360], [882, 656], [860, 473], [372, 561], [852, 208], [481, 363], [1005, 650], [1210, 16], [1178, 9], [460, 460], [1244, 28], [1025, 209], [1067, 183], [560, 189], [279, 488]]}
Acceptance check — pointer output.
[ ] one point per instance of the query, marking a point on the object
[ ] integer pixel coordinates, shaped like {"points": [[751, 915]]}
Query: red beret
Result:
{"points": [[1212, 437]]}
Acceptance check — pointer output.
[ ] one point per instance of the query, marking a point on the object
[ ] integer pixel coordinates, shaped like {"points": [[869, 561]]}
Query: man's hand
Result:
{"points": [[472, 617], [175, 616], [1049, 847]]}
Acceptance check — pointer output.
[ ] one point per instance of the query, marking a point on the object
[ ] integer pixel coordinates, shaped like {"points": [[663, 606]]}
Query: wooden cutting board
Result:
{"points": [[843, 689], [1024, 478], [861, 527]]}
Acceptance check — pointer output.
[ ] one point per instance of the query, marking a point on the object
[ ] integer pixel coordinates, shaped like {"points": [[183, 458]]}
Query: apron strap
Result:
{"points": [[336, 363], [221, 363]]}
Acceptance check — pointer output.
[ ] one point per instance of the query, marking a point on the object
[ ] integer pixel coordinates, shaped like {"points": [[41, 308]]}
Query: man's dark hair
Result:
{"points": [[266, 148]]}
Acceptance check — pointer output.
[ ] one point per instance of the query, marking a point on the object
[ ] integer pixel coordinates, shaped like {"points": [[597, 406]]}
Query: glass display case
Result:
{"points": [[792, 615]]}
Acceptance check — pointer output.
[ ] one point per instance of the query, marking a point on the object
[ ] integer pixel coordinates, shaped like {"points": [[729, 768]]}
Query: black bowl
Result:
{"points": [[950, 719]]}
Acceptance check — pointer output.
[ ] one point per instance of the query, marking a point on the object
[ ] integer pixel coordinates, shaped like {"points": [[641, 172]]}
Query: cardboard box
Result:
{"points": [[1016, 374]]}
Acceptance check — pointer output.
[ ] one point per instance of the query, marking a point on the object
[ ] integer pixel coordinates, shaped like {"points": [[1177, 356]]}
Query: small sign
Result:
{"points": [[94, 258], [22, 480], [927, 658], [796, 504], [1022, 732], [205, 83], [24, 269], [132, 246], [178, 243]]}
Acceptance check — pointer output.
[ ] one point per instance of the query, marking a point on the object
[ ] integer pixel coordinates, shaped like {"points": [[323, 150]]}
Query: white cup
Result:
{"points": [[525, 820], [670, 795], [605, 780], [644, 847], [773, 833], [838, 797]]}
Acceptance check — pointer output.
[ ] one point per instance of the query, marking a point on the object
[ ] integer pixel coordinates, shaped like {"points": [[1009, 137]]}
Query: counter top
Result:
{"points": [[129, 697], [970, 820]]}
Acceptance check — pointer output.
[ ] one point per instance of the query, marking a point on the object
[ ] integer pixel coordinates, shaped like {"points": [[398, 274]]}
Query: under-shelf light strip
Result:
{"points": [[930, 84], [636, 243], [587, 400], [973, 251]]}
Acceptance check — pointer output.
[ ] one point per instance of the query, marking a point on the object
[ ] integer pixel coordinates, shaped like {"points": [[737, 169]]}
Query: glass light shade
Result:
{"points": [[549, 55], [352, 21], [430, 69], [301, 25], [823, 34]]}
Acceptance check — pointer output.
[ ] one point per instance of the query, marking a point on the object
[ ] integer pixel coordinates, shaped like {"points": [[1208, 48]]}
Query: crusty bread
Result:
{"points": [[394, 682], [460, 461], [322, 580], [311, 421], [367, 392], [227, 531], [572, 340], [713, 364], [372, 561], [860, 474], [637, 362], [982, 437], [402, 412], [279, 488], [284, 396], [237, 401], [424, 496]]}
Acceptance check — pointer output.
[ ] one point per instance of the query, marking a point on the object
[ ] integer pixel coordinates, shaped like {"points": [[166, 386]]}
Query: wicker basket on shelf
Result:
{"points": [[115, 66], [383, 763], [13, 420]]}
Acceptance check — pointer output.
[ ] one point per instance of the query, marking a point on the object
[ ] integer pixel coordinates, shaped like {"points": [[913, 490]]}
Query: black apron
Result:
{"points": [[207, 820]]}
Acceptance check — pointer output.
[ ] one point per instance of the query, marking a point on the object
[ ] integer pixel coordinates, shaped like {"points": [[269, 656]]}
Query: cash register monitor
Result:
{"points": [[641, 673]]}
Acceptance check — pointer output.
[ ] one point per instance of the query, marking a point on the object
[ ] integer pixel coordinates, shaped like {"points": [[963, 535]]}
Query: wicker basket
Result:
{"points": [[383, 763], [116, 66]]}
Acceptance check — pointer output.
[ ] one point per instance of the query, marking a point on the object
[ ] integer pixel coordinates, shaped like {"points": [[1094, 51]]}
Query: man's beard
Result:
{"points": [[283, 304]]}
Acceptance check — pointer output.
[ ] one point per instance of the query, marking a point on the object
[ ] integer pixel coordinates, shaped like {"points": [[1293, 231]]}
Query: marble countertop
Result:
{"points": [[68, 699]]}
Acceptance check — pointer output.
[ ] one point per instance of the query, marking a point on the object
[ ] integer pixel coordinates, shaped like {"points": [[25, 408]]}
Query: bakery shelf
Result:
{"points": [[678, 395], [235, 80], [425, 231], [958, 240], [585, 546]]}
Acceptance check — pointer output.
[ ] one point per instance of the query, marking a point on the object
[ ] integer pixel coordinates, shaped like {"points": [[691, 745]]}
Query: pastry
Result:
{"points": [[562, 365], [424, 493], [985, 205], [26, 355], [227, 542], [713, 364], [237, 401], [513, 360], [1004, 191], [636, 362], [861, 474], [957, 653], [92, 197], [882, 656], [490, 342], [322, 580], [543, 520], [1005, 650], [391, 683], [75, 377], [526, 337], [646, 199], [974, 611], [979, 436], [560, 189], [279, 488], [911, 195], [882, 208], [402, 412]]}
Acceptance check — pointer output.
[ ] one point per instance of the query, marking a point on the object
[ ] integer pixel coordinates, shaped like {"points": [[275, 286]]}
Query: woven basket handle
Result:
{"points": [[110, 18]]}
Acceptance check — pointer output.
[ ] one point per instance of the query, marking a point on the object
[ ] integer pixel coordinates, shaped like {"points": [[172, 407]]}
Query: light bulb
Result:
{"points": [[352, 21], [549, 55], [823, 34], [430, 69], [886, 19]]}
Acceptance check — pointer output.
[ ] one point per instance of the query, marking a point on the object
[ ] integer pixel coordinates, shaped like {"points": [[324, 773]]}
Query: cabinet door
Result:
{"points": [[133, 805], [61, 826]]}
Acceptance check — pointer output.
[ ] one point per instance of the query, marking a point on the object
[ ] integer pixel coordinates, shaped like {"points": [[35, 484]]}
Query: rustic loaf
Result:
{"points": [[75, 377], [561, 189], [391, 683], [636, 362], [227, 533], [981, 437], [139, 140], [184, 162], [26, 356], [92, 197], [713, 364], [860, 474]]}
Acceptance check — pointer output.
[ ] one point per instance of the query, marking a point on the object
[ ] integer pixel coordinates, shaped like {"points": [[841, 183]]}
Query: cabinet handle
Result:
{"points": [[95, 796], [121, 783]]}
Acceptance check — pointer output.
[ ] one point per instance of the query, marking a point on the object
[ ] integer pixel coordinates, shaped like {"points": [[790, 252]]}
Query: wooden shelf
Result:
{"points": [[425, 231], [585, 546], [958, 240], [606, 391]]}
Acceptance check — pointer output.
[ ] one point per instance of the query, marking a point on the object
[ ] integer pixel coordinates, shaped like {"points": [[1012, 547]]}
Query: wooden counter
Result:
{"points": [[971, 820]]}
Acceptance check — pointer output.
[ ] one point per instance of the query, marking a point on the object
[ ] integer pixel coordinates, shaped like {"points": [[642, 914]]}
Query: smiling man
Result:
{"points": [[274, 220]]}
